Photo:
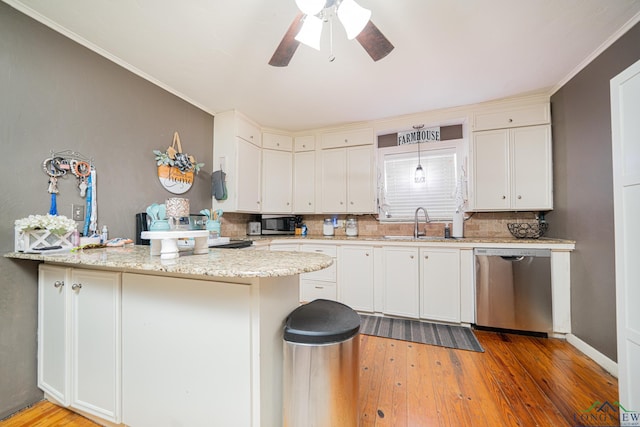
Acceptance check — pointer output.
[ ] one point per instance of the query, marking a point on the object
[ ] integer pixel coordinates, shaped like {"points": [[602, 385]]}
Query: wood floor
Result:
{"points": [[517, 381]]}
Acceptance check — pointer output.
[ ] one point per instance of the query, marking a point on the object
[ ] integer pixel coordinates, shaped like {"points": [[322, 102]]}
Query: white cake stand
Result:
{"points": [[165, 243]]}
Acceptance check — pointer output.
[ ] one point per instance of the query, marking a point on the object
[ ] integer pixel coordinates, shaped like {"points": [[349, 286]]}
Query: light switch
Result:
{"points": [[77, 212]]}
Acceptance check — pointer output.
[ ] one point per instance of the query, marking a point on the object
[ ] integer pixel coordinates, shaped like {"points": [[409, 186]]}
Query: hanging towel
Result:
{"points": [[219, 185]]}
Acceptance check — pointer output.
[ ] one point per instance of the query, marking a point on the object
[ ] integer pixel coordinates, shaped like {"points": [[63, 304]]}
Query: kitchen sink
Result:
{"points": [[412, 238]]}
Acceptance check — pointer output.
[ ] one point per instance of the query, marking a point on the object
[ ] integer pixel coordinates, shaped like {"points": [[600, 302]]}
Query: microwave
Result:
{"points": [[274, 224]]}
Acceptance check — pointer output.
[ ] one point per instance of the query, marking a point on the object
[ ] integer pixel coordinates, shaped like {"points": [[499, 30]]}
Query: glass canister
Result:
{"points": [[352, 227], [327, 227]]}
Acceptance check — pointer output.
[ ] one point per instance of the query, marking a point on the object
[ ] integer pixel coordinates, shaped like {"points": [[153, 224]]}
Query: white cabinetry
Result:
{"points": [[512, 169], [346, 138], [511, 157], [277, 183], [347, 180], [79, 339], [355, 277], [237, 150], [400, 282], [304, 175], [440, 284], [321, 283]]}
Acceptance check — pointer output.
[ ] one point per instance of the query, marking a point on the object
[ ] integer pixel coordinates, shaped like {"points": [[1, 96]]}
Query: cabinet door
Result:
{"points": [[333, 178], [440, 284], [355, 277], [304, 181], [95, 342], [491, 170], [401, 288], [360, 180], [248, 177], [532, 169], [277, 185], [53, 363]]}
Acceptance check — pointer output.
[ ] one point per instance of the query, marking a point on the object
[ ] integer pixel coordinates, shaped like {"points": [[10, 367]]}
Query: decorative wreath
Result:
{"points": [[175, 168]]}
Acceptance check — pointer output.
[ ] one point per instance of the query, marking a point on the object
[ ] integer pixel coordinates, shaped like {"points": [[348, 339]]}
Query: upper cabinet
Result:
{"points": [[511, 160], [346, 138], [346, 182], [304, 175], [237, 146], [277, 173], [516, 116]]}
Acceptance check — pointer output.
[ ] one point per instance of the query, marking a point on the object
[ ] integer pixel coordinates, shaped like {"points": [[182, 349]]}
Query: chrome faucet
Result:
{"points": [[417, 233]]}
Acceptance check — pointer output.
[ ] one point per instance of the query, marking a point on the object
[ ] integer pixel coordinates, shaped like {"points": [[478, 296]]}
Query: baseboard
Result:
{"points": [[602, 360]]}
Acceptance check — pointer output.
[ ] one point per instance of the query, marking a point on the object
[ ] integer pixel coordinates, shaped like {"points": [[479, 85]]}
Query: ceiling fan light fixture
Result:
{"points": [[310, 7], [311, 32], [353, 17]]}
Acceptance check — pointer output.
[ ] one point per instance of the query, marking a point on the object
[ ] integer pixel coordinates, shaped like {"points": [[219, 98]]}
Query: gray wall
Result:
{"points": [[57, 95], [583, 186]]}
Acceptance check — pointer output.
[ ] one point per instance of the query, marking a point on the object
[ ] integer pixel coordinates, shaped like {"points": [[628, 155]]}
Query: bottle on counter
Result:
{"points": [[105, 235], [447, 231]]}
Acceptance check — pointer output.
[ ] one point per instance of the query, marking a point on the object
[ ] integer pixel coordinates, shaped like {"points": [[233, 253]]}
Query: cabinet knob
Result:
{"points": [[510, 120], [504, 197], [351, 202], [319, 287], [346, 140], [411, 256], [277, 144], [342, 203], [288, 203], [426, 257], [309, 203], [519, 197], [58, 283], [304, 145], [76, 286], [367, 254]]}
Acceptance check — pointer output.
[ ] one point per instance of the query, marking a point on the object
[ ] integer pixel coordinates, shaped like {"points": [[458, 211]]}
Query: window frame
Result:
{"points": [[458, 146]]}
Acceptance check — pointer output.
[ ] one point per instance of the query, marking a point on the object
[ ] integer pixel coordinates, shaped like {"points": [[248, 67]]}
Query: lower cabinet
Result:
{"points": [[79, 362], [319, 284], [440, 284], [355, 277], [400, 281]]}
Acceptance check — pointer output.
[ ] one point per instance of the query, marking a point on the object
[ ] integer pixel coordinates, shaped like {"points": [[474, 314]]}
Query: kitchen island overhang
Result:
{"points": [[200, 337]]}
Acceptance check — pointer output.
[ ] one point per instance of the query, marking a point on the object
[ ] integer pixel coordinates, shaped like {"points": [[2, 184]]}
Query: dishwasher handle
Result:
{"points": [[512, 258]]}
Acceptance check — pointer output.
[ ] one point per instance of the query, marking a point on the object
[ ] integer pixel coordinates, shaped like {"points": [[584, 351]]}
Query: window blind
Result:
{"points": [[401, 195]]}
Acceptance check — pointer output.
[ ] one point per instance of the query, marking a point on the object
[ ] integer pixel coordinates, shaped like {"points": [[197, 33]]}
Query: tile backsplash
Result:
{"points": [[479, 224]]}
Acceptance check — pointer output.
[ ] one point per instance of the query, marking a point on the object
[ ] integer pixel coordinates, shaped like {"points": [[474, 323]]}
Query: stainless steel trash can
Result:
{"points": [[321, 366]]}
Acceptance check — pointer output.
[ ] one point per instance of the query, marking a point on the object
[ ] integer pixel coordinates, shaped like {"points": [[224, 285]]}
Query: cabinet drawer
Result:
{"points": [[528, 115], [248, 131], [347, 138], [327, 274], [275, 141], [312, 289], [305, 143], [329, 250]]}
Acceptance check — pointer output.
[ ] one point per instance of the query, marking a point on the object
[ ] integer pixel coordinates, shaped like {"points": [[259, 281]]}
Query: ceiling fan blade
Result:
{"points": [[374, 42], [288, 45]]}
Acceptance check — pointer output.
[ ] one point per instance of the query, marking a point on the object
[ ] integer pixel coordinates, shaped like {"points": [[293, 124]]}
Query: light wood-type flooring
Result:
{"points": [[517, 381]]}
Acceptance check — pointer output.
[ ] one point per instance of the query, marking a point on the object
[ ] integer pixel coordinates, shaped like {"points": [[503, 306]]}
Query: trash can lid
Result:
{"points": [[321, 322]]}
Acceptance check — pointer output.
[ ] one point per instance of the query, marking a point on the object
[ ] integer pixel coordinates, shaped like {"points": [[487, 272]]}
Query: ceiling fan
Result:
{"points": [[306, 28]]}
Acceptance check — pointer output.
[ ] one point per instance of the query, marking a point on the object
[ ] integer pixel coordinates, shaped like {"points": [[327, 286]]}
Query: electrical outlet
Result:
{"points": [[77, 212]]}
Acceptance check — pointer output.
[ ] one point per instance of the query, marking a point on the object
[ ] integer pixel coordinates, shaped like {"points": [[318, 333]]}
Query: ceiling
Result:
{"points": [[214, 53]]}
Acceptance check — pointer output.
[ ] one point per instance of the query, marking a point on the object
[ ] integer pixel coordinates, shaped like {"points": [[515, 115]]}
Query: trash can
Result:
{"points": [[321, 367]]}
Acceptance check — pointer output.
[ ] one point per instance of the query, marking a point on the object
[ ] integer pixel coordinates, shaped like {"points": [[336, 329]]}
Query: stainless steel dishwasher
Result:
{"points": [[513, 289]]}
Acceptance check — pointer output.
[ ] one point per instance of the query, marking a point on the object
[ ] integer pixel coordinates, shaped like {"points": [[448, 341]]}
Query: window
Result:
{"points": [[400, 195]]}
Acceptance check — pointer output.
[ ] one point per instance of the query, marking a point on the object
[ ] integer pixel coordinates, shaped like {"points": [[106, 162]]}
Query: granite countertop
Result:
{"points": [[454, 242], [239, 263]]}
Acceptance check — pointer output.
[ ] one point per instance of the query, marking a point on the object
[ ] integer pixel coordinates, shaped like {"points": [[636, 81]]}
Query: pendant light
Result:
{"points": [[419, 175]]}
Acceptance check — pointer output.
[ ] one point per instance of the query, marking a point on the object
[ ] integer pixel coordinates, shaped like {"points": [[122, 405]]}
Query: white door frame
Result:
{"points": [[625, 127]]}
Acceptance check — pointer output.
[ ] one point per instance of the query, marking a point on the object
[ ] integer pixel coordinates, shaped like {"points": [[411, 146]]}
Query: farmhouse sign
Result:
{"points": [[419, 135]]}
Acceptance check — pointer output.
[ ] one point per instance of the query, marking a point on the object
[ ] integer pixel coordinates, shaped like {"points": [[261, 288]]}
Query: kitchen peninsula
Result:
{"points": [[130, 339]]}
